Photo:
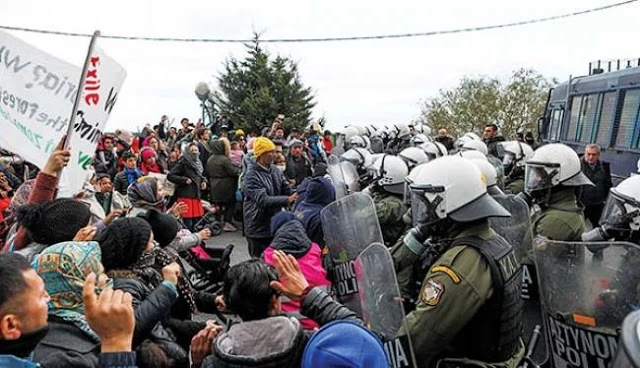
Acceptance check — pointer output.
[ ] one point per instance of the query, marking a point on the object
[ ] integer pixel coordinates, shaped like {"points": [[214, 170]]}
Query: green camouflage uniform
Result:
{"points": [[390, 210]]}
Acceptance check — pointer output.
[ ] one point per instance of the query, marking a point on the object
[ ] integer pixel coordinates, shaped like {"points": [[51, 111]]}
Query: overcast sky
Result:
{"points": [[359, 82]]}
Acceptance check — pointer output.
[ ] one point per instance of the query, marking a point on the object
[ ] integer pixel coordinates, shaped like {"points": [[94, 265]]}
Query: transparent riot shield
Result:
{"points": [[381, 303], [338, 147], [517, 231], [350, 225], [351, 177], [585, 298], [334, 169]]}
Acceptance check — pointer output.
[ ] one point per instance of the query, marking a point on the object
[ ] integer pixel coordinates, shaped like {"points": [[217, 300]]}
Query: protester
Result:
{"points": [[203, 136], [237, 154], [492, 139], [327, 143], [530, 140], [289, 236], [126, 244], [129, 175], [162, 157], [42, 223], [188, 177], [266, 192], [70, 341], [105, 160], [319, 192], [149, 163], [23, 316], [185, 131], [265, 338], [223, 181], [298, 165], [594, 197], [445, 139]]}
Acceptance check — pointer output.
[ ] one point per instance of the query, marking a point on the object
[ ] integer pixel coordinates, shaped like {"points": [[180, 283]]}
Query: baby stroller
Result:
{"points": [[207, 266], [210, 220]]}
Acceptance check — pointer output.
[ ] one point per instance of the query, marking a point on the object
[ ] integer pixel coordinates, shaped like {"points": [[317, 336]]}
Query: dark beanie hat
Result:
{"points": [[54, 221], [165, 227], [123, 242]]}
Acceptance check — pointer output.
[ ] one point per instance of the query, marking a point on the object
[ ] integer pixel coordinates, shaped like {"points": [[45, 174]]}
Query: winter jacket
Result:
{"points": [[291, 239], [54, 352], [492, 146], [275, 341], [151, 312], [106, 162], [179, 175], [206, 150], [265, 193], [223, 176], [600, 176], [121, 181], [298, 168], [151, 306], [318, 194], [65, 345]]}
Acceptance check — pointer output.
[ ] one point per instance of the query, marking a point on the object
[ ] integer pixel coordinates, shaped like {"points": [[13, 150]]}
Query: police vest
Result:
{"points": [[493, 334]]}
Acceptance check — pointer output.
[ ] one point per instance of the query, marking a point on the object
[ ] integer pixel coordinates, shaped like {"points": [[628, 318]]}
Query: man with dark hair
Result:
{"points": [[186, 129], [491, 139], [266, 337], [298, 164], [23, 317]]}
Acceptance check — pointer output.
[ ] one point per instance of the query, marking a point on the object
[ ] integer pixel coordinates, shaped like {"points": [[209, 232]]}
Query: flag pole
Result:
{"points": [[83, 78]]}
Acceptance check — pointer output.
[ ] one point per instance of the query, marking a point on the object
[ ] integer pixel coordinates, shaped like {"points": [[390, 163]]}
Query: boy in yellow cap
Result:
{"points": [[266, 192]]}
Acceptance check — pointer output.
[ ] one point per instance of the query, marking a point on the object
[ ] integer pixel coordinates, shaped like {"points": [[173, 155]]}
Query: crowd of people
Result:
{"points": [[107, 278]]}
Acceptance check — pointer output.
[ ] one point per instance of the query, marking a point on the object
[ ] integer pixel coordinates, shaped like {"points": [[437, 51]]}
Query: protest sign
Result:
{"points": [[37, 91]]}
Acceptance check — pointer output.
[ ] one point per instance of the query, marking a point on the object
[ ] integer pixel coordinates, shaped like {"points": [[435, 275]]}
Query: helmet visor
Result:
{"points": [[427, 203], [508, 159], [619, 213], [541, 176]]}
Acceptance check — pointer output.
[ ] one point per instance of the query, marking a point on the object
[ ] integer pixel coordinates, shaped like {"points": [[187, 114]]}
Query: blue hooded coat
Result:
{"points": [[319, 193]]}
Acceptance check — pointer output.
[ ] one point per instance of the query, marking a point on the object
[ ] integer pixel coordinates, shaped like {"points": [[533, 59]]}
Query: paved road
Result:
{"points": [[240, 251]]}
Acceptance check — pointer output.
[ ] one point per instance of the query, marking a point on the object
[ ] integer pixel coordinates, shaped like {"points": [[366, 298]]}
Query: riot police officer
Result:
{"points": [[469, 306], [552, 176], [516, 154], [387, 190]]}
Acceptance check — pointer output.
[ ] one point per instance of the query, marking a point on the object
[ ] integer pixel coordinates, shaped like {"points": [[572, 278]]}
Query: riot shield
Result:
{"points": [[381, 303], [334, 169], [585, 298], [351, 177], [517, 231], [350, 225]]}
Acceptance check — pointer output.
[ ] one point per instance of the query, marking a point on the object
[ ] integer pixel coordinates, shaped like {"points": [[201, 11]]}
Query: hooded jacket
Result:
{"points": [[274, 341], [292, 239], [265, 193], [223, 176], [319, 193]]}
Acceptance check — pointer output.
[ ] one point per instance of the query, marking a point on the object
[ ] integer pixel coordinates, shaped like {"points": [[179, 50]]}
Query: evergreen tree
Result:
{"points": [[253, 91]]}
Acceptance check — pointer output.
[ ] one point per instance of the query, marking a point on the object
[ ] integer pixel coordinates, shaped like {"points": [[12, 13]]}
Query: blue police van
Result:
{"points": [[600, 108]]}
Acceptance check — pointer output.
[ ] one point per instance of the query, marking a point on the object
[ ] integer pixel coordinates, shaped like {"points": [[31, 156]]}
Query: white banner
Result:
{"points": [[37, 91]]}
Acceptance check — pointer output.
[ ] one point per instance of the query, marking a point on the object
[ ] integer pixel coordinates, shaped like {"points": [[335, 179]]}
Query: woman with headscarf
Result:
{"points": [[70, 341], [188, 177], [149, 162], [128, 256], [162, 157]]}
